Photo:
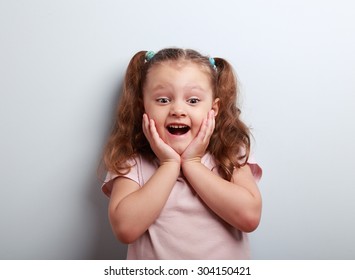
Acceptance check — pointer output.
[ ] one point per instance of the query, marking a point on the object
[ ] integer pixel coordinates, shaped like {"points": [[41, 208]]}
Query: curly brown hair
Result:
{"points": [[230, 142]]}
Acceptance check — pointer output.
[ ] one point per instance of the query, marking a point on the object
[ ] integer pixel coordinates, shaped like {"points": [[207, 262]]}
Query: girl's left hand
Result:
{"points": [[198, 146]]}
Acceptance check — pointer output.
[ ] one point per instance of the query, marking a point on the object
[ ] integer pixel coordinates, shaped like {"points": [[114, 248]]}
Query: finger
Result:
{"points": [[203, 130], [213, 122], [145, 126], [155, 134], [153, 131], [210, 123]]}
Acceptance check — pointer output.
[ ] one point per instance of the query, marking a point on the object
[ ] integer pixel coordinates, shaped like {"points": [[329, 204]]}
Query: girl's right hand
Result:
{"points": [[163, 151]]}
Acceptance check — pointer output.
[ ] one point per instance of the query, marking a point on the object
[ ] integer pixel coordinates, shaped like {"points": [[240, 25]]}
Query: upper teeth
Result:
{"points": [[177, 126]]}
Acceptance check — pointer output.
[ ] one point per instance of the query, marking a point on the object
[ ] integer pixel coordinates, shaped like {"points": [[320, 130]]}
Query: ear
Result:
{"points": [[215, 106]]}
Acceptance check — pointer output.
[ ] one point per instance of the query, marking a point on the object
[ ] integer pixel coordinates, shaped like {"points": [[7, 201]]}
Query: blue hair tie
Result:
{"points": [[213, 63], [149, 55]]}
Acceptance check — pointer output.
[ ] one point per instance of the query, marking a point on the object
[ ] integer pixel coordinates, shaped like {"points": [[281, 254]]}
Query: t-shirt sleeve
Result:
{"points": [[108, 183], [110, 178], [255, 168]]}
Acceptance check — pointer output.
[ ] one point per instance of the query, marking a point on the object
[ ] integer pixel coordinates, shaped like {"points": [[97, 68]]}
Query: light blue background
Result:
{"points": [[62, 65]]}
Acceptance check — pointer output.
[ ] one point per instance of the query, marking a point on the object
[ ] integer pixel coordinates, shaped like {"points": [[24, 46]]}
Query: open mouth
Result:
{"points": [[178, 129]]}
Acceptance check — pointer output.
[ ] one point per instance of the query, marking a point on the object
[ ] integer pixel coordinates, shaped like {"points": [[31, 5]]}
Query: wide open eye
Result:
{"points": [[163, 100], [193, 100]]}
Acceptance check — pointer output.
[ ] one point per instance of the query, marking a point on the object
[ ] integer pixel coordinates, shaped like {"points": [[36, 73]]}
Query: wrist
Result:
{"points": [[170, 168], [187, 163], [171, 163]]}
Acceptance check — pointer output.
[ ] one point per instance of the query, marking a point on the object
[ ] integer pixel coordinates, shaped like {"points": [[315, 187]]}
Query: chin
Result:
{"points": [[179, 148], [180, 151]]}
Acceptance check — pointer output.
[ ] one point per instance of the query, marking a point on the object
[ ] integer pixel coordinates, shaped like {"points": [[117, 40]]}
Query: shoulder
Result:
{"points": [[209, 161], [252, 163], [255, 168], [139, 169]]}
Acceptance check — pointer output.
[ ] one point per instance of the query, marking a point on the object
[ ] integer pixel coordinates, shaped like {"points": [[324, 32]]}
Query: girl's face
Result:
{"points": [[178, 97]]}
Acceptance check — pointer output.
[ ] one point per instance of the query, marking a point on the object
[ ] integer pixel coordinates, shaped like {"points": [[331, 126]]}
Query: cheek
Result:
{"points": [[159, 126], [153, 114], [159, 120], [149, 110], [199, 117], [157, 113]]}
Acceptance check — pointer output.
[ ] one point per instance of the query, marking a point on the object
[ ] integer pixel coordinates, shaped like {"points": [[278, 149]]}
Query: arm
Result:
{"points": [[237, 202], [132, 209]]}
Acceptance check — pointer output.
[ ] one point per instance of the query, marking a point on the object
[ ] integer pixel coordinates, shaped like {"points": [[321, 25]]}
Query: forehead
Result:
{"points": [[178, 72]]}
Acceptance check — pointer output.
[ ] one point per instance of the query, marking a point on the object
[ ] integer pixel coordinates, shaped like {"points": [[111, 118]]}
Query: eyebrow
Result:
{"points": [[163, 87], [159, 87], [194, 87]]}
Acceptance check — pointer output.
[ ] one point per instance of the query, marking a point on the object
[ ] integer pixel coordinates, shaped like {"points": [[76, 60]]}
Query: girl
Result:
{"points": [[180, 181]]}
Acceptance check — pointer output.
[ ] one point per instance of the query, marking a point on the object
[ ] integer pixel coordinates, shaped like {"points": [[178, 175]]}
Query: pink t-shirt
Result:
{"points": [[186, 228]]}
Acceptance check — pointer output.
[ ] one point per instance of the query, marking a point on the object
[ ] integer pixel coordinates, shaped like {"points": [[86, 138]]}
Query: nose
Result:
{"points": [[177, 110]]}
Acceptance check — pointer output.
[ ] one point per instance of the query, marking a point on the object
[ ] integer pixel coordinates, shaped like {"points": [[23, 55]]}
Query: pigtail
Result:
{"points": [[230, 143], [132, 97], [127, 127]]}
